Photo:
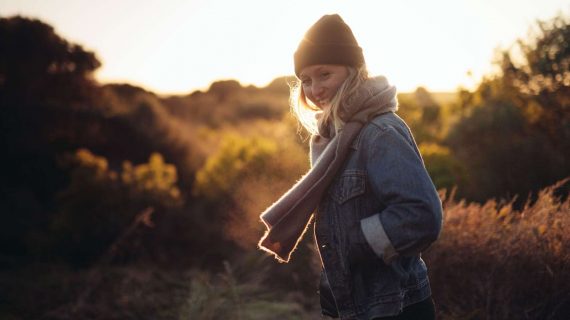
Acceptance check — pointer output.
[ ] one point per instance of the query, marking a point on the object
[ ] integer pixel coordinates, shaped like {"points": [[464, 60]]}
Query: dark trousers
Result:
{"points": [[424, 310]]}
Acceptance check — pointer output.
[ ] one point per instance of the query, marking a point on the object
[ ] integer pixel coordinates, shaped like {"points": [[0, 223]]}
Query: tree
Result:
{"points": [[515, 137], [423, 114], [44, 81], [502, 155], [99, 203], [37, 65], [236, 158], [542, 78]]}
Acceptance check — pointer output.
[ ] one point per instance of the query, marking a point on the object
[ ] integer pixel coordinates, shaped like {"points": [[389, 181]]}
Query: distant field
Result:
{"points": [[443, 98]]}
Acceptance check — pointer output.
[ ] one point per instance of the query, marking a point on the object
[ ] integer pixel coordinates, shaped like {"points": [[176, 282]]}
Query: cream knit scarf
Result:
{"points": [[288, 218]]}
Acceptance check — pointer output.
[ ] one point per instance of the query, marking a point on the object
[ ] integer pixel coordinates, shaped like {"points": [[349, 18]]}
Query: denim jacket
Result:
{"points": [[378, 214]]}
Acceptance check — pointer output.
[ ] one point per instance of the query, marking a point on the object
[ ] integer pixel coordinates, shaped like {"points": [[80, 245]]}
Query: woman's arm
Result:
{"points": [[412, 217]]}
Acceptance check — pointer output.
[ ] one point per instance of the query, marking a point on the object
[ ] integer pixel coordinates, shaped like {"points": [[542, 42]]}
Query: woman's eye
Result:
{"points": [[325, 74], [306, 82]]}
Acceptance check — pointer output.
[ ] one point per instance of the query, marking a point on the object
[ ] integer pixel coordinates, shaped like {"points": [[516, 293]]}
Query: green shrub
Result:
{"points": [[444, 170], [236, 157], [99, 202]]}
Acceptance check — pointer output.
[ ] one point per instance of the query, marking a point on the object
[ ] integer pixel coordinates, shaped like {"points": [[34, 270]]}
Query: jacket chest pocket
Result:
{"points": [[350, 184]]}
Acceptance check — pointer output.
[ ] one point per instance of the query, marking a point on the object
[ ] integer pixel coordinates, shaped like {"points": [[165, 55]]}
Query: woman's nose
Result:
{"points": [[318, 90]]}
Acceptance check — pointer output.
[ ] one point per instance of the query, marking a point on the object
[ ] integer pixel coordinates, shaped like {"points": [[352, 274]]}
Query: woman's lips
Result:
{"points": [[321, 103]]}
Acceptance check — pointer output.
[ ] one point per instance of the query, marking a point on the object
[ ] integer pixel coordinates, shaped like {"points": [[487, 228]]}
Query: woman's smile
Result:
{"points": [[321, 82]]}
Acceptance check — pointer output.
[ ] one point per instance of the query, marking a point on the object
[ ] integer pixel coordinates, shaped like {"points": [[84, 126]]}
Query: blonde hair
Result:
{"points": [[306, 112]]}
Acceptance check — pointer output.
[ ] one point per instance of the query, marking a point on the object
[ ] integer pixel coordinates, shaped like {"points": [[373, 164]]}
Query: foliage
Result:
{"points": [[501, 154], [36, 64], [491, 262], [45, 82], [155, 181], [229, 297], [239, 290], [494, 262], [543, 76], [262, 153], [250, 168], [228, 103], [423, 114], [99, 202], [514, 130], [444, 169], [236, 158]]}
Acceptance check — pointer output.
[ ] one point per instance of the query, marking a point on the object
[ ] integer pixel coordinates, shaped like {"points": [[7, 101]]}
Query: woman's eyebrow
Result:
{"points": [[316, 70]]}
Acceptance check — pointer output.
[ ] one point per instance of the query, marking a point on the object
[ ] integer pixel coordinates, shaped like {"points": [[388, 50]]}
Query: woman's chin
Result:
{"points": [[323, 104]]}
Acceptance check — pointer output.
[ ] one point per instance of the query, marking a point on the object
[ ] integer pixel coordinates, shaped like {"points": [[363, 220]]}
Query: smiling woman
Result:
{"points": [[322, 87], [375, 206]]}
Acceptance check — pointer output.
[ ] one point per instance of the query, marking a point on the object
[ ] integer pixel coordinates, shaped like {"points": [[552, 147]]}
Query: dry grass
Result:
{"points": [[491, 262], [147, 292], [494, 262]]}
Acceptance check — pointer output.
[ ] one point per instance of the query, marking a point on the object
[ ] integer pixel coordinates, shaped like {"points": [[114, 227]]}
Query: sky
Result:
{"points": [[179, 46]]}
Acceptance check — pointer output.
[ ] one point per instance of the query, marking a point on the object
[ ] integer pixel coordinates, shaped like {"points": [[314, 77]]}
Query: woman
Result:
{"points": [[374, 205]]}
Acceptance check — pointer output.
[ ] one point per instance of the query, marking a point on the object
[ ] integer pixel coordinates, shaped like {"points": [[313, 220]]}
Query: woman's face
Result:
{"points": [[320, 82]]}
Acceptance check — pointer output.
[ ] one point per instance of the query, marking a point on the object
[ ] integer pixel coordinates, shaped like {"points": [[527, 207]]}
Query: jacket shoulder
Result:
{"points": [[386, 122]]}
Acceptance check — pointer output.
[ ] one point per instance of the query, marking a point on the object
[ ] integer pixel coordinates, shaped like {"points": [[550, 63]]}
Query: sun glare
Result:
{"points": [[180, 46]]}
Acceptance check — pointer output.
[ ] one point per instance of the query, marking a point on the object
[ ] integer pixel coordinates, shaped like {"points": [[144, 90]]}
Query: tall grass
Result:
{"points": [[491, 262], [240, 295], [494, 262]]}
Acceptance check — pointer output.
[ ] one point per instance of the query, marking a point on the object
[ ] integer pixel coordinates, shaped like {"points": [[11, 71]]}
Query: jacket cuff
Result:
{"points": [[377, 238]]}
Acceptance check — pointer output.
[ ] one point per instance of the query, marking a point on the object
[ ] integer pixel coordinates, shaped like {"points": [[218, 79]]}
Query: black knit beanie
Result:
{"points": [[328, 41]]}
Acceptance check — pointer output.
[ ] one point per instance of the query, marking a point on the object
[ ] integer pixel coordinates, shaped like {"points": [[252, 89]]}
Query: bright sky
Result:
{"points": [[178, 46]]}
